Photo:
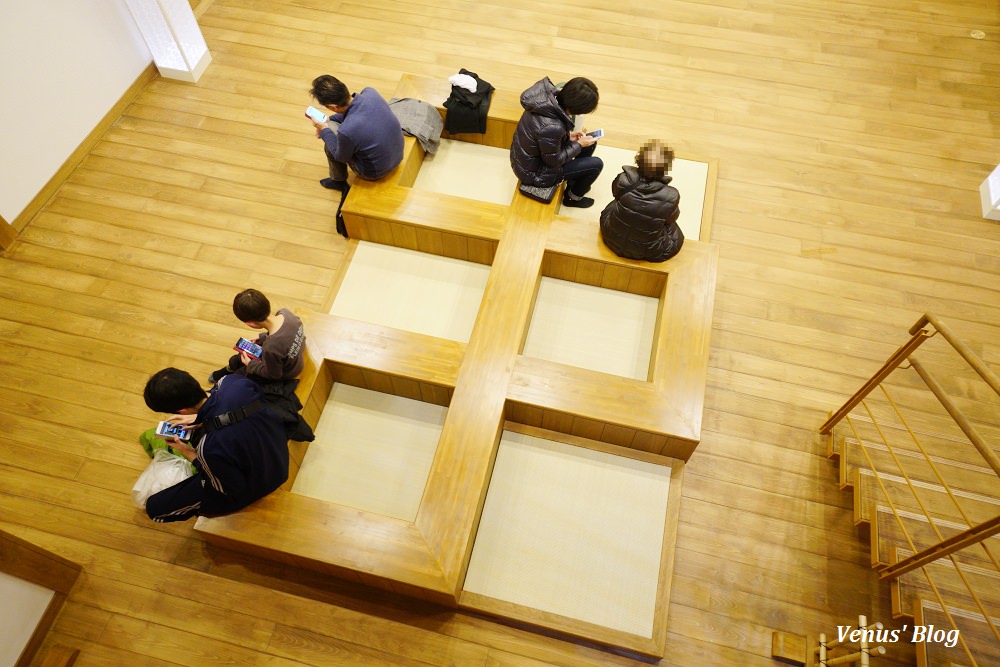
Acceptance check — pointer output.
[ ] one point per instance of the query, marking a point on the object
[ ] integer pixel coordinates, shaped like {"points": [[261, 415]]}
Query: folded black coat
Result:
{"points": [[467, 111], [279, 397]]}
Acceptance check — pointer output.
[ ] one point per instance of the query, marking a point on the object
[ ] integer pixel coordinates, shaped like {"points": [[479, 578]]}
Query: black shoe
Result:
{"points": [[331, 184], [582, 202], [215, 376]]}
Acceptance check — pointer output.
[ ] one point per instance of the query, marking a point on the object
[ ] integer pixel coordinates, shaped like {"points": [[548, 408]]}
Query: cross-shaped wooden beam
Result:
{"points": [[485, 382]]}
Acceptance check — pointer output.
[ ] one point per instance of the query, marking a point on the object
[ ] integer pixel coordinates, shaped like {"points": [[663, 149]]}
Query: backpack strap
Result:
{"points": [[232, 417]]}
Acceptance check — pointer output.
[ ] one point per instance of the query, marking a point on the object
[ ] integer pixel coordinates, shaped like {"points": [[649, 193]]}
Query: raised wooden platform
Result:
{"points": [[486, 383]]}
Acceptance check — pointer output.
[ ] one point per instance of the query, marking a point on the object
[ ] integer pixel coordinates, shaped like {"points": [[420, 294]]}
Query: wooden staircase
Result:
{"points": [[918, 485], [914, 601]]}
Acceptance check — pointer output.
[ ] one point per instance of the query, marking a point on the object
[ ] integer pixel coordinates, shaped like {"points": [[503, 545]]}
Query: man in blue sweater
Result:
{"points": [[240, 449], [362, 132]]}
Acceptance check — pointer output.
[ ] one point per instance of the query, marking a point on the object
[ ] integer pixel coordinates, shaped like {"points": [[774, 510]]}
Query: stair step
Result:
{"points": [[867, 495], [958, 474], [908, 589], [973, 508], [926, 417], [947, 442], [889, 535], [973, 630]]}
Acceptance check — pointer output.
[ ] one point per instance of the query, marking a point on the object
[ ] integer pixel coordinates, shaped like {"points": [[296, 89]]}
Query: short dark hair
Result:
{"points": [[330, 90], [654, 160], [578, 96], [171, 390], [251, 306]]}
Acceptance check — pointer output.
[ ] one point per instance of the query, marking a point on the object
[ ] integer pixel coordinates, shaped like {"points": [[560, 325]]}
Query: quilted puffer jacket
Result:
{"points": [[641, 222], [541, 143]]}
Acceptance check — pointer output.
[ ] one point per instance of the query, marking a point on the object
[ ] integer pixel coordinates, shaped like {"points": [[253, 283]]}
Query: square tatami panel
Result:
{"points": [[689, 177], [572, 531], [23, 609], [411, 290], [592, 327], [468, 170], [372, 451]]}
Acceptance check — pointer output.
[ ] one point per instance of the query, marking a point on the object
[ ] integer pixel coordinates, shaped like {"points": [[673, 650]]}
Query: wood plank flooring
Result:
{"points": [[852, 139]]}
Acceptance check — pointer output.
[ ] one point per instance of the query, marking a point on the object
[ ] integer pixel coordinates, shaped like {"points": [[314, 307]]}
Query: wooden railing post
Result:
{"points": [[970, 357], [808, 652], [963, 422]]}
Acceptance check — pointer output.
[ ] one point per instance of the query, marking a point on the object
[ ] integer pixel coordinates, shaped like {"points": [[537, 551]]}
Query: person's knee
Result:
{"points": [[154, 507]]}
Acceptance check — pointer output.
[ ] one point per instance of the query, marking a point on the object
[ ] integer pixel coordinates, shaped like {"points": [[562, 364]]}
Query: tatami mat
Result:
{"points": [[483, 173], [24, 607], [372, 451], [591, 327], [572, 531], [690, 179], [468, 170], [413, 291]]}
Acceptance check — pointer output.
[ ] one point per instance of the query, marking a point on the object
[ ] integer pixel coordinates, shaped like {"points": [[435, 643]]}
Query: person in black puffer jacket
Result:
{"points": [[546, 150], [641, 222]]}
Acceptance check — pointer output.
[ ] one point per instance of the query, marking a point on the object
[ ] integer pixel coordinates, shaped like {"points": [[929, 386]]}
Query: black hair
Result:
{"points": [[251, 306], [328, 89], [171, 390], [578, 96]]}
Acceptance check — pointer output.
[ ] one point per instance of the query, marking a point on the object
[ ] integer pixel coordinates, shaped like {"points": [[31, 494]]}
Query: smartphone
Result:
{"points": [[316, 114], [597, 134], [167, 430], [250, 347]]}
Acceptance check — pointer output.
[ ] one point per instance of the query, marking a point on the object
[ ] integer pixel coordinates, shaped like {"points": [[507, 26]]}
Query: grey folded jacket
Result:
{"points": [[419, 119]]}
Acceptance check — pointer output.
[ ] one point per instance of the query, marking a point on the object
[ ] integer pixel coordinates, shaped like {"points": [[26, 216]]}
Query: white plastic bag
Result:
{"points": [[164, 470]]}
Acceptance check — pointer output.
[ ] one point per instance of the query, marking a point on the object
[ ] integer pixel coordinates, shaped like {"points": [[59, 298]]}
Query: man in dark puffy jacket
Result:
{"points": [[641, 222], [240, 451], [546, 150]]}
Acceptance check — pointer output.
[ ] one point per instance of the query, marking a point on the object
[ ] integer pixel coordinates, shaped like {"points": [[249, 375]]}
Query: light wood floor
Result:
{"points": [[852, 138]]}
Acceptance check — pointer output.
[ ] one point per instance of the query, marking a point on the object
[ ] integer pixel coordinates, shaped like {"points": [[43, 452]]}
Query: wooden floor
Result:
{"points": [[852, 138]]}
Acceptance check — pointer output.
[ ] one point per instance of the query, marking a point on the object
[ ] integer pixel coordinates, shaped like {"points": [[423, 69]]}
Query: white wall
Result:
{"points": [[63, 65]]}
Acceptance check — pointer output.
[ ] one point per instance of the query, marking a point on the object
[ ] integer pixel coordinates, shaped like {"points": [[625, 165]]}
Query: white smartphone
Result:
{"points": [[168, 430], [315, 114], [597, 134]]}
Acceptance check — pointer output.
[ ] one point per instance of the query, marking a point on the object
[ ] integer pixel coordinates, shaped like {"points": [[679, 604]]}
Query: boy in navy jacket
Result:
{"points": [[239, 449]]}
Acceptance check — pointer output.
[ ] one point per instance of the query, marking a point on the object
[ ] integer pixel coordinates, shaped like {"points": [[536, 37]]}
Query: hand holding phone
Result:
{"points": [[251, 348], [315, 114], [597, 134], [168, 429]]}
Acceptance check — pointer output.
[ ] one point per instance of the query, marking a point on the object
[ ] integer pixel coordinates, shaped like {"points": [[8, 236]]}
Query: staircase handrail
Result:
{"points": [[917, 337], [918, 334]]}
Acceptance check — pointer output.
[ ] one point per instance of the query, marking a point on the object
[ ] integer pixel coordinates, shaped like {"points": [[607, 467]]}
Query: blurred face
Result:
{"points": [[652, 160]]}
